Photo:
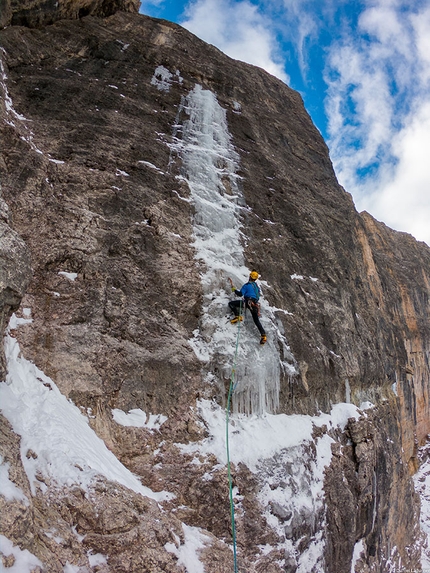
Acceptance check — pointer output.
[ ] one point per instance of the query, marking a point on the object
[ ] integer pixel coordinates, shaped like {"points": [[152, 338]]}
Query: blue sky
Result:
{"points": [[363, 70]]}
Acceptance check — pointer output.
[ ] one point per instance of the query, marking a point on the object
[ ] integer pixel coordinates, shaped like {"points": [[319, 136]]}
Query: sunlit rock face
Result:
{"points": [[142, 169]]}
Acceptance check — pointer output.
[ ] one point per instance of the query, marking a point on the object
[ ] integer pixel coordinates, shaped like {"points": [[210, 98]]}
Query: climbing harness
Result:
{"points": [[253, 306], [230, 483]]}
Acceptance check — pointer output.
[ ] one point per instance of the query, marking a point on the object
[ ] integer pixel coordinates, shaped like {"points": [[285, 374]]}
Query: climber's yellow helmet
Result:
{"points": [[253, 275]]}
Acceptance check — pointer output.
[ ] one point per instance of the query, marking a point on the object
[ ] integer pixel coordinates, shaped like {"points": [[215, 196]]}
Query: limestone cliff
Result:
{"points": [[142, 168], [36, 13]]}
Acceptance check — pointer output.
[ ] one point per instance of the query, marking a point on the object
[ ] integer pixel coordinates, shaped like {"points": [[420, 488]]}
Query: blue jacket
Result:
{"points": [[249, 290]]}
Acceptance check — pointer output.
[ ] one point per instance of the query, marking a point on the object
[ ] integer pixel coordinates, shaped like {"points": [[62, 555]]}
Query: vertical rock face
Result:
{"points": [[36, 13], [15, 273], [142, 168]]}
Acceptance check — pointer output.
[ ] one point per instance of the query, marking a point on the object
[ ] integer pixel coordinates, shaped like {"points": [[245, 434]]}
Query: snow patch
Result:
{"points": [[237, 107], [151, 166], [138, 419], [7, 488], [188, 553], [359, 551], [70, 568], [96, 559], [70, 276], [58, 447], [10, 110], [25, 562], [255, 438]]}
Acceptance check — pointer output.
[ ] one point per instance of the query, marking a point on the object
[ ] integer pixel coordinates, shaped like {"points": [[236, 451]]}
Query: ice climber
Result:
{"points": [[251, 294]]}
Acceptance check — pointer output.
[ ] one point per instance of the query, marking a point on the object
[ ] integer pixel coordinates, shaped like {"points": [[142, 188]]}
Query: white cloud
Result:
{"points": [[239, 30], [403, 202], [378, 108]]}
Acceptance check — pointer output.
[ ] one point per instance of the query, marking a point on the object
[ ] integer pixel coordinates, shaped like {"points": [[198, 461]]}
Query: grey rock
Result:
{"points": [[15, 275]]}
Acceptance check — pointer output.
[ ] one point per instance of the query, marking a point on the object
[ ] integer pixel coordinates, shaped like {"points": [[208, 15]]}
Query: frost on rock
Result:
{"points": [[209, 164]]}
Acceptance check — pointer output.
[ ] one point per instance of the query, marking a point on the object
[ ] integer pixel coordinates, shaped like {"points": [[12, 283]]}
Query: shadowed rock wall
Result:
{"points": [[36, 13]]}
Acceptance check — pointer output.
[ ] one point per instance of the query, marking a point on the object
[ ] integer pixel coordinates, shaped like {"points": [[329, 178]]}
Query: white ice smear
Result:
{"points": [[70, 276], [138, 419], [209, 165], [188, 553], [359, 550], [58, 447], [151, 166], [25, 562], [162, 78], [96, 559]]}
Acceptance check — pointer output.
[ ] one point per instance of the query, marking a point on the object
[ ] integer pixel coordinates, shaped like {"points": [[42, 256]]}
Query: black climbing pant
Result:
{"points": [[235, 308]]}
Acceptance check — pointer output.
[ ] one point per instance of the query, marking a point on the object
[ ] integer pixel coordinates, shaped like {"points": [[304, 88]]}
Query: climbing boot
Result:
{"points": [[236, 319], [263, 339]]}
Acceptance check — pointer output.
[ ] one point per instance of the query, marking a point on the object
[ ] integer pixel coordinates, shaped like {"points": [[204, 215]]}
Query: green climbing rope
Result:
{"points": [[230, 483]]}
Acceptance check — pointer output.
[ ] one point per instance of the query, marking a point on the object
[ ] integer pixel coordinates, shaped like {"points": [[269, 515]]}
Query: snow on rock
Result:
{"points": [[422, 486], [359, 551], [96, 559], [10, 110], [256, 438], [58, 447], [23, 560], [188, 553], [138, 419], [70, 276], [288, 462], [151, 166], [7, 488], [209, 164]]}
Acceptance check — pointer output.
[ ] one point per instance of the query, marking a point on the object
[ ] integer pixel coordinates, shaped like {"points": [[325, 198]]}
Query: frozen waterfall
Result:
{"points": [[209, 165]]}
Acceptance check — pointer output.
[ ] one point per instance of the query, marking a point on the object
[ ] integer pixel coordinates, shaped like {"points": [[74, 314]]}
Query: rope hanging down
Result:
{"points": [[230, 483]]}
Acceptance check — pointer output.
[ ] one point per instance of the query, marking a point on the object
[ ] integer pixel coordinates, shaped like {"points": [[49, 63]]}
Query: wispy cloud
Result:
{"points": [[403, 197], [378, 106], [239, 29]]}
